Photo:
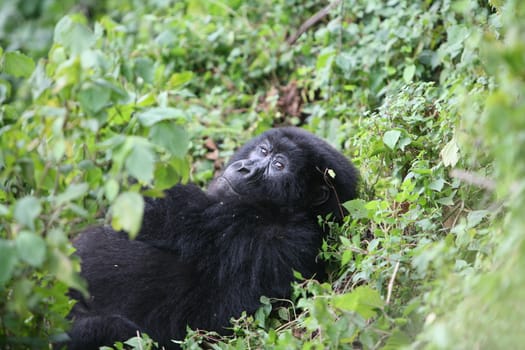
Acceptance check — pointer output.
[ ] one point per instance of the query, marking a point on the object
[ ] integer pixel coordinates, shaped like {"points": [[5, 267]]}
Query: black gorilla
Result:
{"points": [[204, 257]]}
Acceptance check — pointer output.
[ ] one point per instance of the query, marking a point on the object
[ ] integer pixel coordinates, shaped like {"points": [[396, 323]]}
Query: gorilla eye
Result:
{"points": [[278, 165], [263, 150]]}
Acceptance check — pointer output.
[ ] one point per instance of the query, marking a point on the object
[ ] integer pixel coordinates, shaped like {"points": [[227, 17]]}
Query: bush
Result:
{"points": [[427, 98]]}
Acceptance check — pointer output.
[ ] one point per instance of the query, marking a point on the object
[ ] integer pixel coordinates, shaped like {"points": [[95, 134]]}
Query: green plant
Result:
{"points": [[426, 97]]}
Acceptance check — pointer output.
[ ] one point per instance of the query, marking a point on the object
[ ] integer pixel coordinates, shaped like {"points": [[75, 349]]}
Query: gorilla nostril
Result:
{"points": [[244, 171]]}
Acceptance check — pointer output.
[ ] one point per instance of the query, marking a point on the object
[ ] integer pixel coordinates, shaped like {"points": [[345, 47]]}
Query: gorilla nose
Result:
{"points": [[244, 167]]}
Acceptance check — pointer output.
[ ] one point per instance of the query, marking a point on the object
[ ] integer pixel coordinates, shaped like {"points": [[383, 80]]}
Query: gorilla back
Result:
{"points": [[204, 257]]}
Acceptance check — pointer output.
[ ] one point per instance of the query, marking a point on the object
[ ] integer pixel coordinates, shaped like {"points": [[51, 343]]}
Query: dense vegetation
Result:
{"points": [[99, 98]]}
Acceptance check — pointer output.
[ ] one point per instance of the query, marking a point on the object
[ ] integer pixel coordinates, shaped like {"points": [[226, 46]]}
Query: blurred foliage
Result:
{"points": [[104, 101]]}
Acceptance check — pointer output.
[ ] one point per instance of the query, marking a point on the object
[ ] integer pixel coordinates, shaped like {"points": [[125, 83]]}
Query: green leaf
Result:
{"points": [[346, 62], [437, 185], [140, 162], [347, 256], [166, 176], [127, 211], [18, 65], [391, 137], [73, 35], [74, 191], [363, 300], [152, 116], [408, 73], [145, 69], [94, 98], [398, 340], [356, 208], [325, 59], [475, 217], [8, 260], [27, 210], [170, 136], [450, 153], [31, 248], [111, 188], [177, 80], [63, 268], [39, 80]]}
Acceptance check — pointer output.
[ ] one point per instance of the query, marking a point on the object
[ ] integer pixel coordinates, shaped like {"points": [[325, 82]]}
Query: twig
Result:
{"points": [[391, 283], [139, 340], [312, 21], [473, 179]]}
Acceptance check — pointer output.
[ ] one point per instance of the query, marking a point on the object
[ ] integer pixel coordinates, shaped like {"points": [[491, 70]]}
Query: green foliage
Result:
{"points": [[104, 101]]}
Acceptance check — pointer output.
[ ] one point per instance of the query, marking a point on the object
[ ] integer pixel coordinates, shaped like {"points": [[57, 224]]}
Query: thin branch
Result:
{"points": [[391, 283], [139, 340], [473, 179], [310, 22]]}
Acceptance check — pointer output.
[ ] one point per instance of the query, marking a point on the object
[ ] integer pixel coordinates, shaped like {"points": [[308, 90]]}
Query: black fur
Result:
{"points": [[204, 257]]}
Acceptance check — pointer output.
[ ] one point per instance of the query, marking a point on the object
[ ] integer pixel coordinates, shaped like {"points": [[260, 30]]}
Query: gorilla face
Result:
{"points": [[287, 167], [265, 174]]}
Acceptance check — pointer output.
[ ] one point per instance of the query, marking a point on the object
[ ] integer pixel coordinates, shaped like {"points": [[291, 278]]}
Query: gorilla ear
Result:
{"points": [[321, 195]]}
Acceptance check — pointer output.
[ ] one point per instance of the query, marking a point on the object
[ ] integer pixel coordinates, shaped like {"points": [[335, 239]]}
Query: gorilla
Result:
{"points": [[202, 258]]}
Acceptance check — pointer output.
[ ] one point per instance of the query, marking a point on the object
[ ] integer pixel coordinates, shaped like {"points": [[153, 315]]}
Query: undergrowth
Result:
{"points": [[99, 99]]}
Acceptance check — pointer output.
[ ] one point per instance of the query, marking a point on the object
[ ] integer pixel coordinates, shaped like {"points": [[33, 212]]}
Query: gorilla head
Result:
{"points": [[288, 167], [203, 257]]}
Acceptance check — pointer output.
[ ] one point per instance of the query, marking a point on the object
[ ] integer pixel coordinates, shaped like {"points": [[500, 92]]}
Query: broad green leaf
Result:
{"points": [[398, 340], [111, 189], [170, 136], [403, 142], [140, 162], [74, 191], [58, 149], [56, 237], [408, 73], [475, 217], [347, 256], [346, 62], [63, 268], [167, 176], [199, 8], [450, 153], [73, 35], [356, 208], [146, 100], [127, 211], [179, 79], [456, 34], [8, 260], [145, 68], [27, 210], [94, 98], [152, 116], [437, 185], [363, 300], [31, 248], [325, 59], [391, 137], [18, 65], [39, 80]]}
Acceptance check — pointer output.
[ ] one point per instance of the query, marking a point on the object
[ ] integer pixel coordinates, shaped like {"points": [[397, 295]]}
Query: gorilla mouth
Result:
{"points": [[225, 186]]}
